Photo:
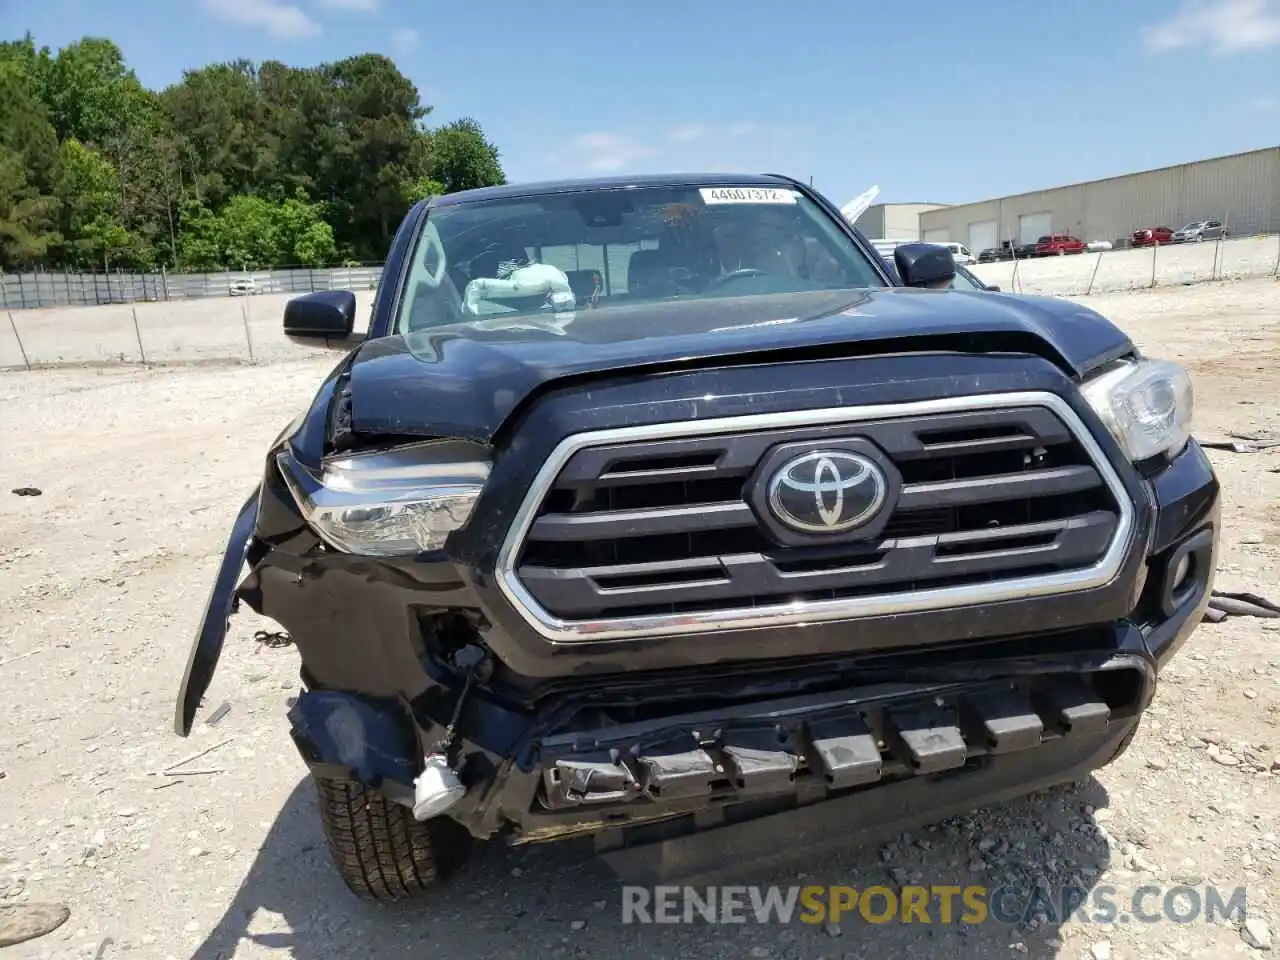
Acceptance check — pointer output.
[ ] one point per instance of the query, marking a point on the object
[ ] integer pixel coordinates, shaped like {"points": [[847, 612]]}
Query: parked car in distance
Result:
{"points": [[1058, 244], [1151, 236], [1025, 251], [242, 287], [1097, 246], [995, 254], [1198, 230], [960, 253]]}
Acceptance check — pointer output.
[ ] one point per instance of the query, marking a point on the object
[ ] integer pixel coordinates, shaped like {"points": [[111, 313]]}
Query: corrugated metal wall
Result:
{"points": [[1243, 189]]}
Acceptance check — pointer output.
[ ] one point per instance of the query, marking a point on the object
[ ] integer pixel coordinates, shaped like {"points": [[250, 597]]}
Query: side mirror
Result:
{"points": [[326, 317], [925, 265]]}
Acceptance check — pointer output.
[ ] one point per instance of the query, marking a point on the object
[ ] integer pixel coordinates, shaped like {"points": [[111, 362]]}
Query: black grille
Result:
{"points": [[665, 527]]}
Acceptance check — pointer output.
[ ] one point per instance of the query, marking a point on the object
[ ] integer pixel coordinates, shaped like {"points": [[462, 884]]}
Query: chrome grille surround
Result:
{"points": [[564, 630]]}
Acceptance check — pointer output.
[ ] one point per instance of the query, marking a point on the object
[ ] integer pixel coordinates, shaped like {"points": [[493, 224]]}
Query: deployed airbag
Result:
{"points": [[520, 291]]}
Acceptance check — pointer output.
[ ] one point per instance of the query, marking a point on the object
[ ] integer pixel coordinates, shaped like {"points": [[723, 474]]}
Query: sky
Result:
{"points": [[934, 102]]}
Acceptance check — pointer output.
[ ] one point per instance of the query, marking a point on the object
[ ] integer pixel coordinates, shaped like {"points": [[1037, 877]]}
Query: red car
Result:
{"points": [[1152, 236], [1058, 245]]}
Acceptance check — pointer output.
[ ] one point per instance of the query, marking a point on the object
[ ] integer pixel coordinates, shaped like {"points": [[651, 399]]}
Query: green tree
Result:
{"points": [[26, 216], [25, 127], [237, 164], [315, 247], [421, 189], [89, 195], [381, 149], [28, 160], [251, 233], [461, 158], [218, 115], [200, 243]]}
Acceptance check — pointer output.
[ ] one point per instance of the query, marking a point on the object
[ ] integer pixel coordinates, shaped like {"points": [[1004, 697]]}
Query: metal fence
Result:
{"points": [[65, 289], [1239, 257], [1114, 271]]}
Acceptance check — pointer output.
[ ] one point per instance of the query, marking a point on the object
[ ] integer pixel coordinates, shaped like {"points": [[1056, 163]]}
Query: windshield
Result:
{"points": [[565, 253], [1193, 225]]}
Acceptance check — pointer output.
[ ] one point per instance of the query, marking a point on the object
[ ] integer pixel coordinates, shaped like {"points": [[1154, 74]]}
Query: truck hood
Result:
{"points": [[464, 380]]}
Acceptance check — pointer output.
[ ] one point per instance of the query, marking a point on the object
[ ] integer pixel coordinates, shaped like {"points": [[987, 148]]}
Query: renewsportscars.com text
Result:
{"points": [[935, 904]]}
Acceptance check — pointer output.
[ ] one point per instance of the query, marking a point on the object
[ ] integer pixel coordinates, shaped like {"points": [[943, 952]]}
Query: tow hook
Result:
{"points": [[438, 787]]}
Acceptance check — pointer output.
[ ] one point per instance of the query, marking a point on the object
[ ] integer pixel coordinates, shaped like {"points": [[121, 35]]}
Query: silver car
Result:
{"points": [[1199, 230]]}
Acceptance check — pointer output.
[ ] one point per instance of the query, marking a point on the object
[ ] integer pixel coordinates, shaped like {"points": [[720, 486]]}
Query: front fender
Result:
{"points": [[207, 646]]}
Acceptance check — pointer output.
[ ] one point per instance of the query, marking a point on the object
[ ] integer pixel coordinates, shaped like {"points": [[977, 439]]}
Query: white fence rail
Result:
{"points": [[20, 291], [249, 327]]}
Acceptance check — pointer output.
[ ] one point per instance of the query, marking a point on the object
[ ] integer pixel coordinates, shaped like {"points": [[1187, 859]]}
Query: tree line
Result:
{"points": [[239, 165]]}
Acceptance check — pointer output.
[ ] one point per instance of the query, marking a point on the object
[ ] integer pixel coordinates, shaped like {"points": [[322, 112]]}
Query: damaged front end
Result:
{"points": [[202, 660], [382, 556]]}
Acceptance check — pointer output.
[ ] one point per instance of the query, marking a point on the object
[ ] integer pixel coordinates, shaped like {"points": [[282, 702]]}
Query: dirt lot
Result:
{"points": [[101, 583]]}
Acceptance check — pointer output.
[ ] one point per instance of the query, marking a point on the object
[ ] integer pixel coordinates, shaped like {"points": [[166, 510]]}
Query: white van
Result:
{"points": [[960, 253]]}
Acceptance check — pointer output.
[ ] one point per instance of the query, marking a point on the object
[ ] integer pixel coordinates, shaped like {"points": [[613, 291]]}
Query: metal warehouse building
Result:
{"points": [[893, 221], [1242, 189]]}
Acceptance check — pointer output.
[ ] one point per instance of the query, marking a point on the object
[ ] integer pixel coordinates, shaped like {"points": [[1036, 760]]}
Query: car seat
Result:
{"points": [[653, 273], [585, 284]]}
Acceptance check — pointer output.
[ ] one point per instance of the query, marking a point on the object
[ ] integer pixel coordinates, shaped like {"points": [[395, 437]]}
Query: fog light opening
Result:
{"points": [[1186, 574], [1183, 573]]}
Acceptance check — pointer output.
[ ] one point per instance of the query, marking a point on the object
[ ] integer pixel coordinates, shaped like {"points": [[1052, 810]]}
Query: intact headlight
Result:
{"points": [[1146, 405], [390, 503]]}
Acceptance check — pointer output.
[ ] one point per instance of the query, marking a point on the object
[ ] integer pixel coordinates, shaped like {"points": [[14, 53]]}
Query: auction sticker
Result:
{"points": [[747, 195]]}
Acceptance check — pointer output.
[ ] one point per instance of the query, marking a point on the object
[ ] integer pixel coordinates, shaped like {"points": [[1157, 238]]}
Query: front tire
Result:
{"points": [[381, 852]]}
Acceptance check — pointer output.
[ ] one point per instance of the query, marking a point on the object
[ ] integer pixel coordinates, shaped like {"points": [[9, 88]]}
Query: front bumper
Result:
{"points": [[683, 849], [893, 752]]}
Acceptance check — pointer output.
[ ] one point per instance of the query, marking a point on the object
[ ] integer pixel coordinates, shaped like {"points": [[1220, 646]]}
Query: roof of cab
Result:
{"points": [[516, 190]]}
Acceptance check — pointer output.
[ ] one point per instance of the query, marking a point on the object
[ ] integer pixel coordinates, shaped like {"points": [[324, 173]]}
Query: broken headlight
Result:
{"points": [[390, 503], [1146, 405]]}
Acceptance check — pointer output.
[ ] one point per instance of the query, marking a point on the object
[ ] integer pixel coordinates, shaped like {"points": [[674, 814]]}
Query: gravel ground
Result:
{"points": [[103, 576]]}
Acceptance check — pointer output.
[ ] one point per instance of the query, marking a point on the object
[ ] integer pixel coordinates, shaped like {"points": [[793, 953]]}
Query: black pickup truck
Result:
{"points": [[651, 507]]}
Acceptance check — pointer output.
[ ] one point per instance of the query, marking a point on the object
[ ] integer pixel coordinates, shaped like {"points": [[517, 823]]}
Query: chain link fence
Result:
{"points": [[1138, 267], [64, 289]]}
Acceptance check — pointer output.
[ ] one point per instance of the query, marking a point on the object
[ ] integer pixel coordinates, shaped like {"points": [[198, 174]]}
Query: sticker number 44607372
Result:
{"points": [[747, 195]]}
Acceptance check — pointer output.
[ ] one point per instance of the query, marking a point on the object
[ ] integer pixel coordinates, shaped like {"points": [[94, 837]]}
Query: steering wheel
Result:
{"points": [[742, 274], [431, 244]]}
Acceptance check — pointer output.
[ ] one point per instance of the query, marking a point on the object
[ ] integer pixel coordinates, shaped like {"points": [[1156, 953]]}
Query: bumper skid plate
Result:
{"points": [[833, 744]]}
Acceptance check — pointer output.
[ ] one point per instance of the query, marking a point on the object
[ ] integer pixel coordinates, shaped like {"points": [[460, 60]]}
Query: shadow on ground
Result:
{"points": [[561, 901]]}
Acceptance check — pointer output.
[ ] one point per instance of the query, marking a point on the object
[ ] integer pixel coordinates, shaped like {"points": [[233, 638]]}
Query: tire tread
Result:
{"points": [[380, 851]]}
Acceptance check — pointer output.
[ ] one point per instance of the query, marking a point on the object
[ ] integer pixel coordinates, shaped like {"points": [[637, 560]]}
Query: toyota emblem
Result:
{"points": [[827, 491]]}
